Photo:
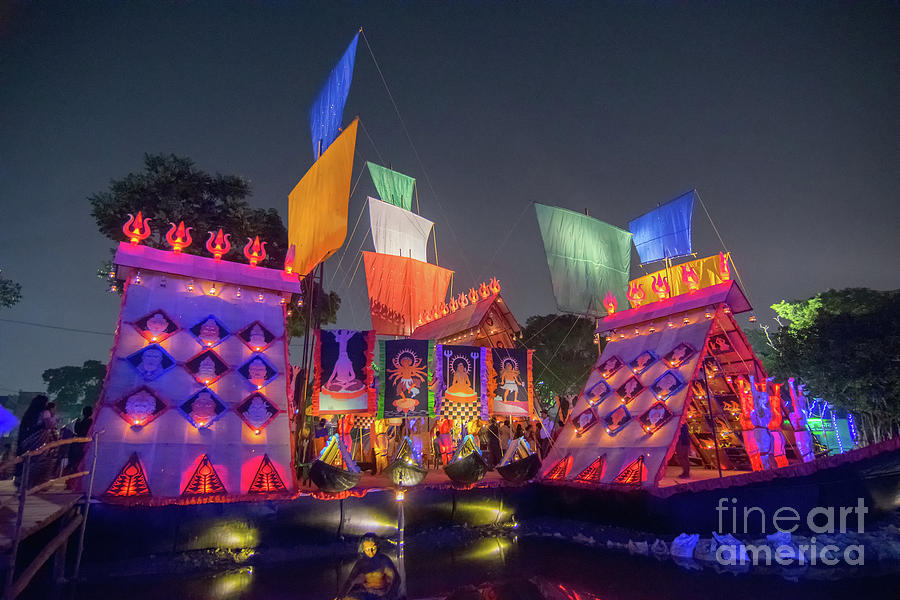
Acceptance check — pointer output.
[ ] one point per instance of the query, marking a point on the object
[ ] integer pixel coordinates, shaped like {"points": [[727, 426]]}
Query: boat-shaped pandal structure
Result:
{"points": [[467, 465], [334, 471], [406, 469], [520, 463]]}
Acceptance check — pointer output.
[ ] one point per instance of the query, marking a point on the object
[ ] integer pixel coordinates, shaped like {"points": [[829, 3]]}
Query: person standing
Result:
{"points": [[80, 428], [494, 442], [532, 440], [37, 428], [505, 435], [682, 452], [546, 433]]}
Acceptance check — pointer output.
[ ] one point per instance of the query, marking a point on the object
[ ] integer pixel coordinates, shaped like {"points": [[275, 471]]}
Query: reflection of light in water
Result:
{"points": [[486, 549], [232, 584], [234, 534]]}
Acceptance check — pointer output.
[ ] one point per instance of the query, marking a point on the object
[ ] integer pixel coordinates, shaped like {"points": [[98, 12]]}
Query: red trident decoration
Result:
{"points": [[661, 287], [610, 303], [636, 294], [136, 228], [454, 305], [494, 285], [463, 300], [218, 244], [484, 290], [255, 251], [473, 295], [179, 237], [444, 309], [690, 277], [289, 260], [724, 269]]}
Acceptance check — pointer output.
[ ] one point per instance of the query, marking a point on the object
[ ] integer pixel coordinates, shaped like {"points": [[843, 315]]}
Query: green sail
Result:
{"points": [[587, 259], [393, 187]]}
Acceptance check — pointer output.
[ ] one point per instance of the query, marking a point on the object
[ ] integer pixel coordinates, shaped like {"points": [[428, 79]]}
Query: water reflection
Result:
{"points": [[498, 568]]}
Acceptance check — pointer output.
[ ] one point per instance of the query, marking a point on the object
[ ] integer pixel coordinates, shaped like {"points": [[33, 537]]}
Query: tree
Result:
{"points": [[74, 387], [171, 189], [844, 345], [564, 352], [10, 292]]}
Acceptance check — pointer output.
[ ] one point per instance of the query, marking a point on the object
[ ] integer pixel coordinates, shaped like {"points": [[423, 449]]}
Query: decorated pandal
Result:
{"points": [[195, 403]]}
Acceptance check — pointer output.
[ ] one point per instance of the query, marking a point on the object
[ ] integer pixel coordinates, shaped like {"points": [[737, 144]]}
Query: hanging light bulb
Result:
{"points": [[260, 297], [237, 293]]}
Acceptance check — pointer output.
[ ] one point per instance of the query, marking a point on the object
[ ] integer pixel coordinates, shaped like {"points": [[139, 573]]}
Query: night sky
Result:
{"points": [[785, 119]]}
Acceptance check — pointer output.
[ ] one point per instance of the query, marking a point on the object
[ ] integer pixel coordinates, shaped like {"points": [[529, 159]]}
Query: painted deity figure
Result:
{"points": [[407, 375], [656, 414], [642, 361], [747, 409], [462, 384], [666, 386], [343, 377], [800, 407], [510, 382], [778, 441]]}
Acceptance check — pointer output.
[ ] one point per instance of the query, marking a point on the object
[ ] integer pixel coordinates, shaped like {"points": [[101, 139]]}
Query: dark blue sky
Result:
{"points": [[784, 117]]}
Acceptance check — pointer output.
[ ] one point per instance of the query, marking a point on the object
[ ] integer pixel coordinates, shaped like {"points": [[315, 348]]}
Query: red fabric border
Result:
{"points": [[317, 372]]}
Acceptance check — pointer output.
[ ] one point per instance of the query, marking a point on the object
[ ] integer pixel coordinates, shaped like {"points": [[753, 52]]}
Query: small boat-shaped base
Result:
{"points": [[331, 479], [521, 470]]}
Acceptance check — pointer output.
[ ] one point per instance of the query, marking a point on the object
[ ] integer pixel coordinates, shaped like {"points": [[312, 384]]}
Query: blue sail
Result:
{"points": [[328, 109], [664, 232]]}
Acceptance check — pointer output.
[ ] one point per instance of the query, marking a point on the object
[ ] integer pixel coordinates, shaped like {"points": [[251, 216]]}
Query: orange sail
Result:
{"points": [[400, 289], [317, 206]]}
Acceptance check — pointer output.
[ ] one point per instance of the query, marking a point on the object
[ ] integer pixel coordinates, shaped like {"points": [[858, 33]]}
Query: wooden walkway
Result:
{"points": [[41, 510]]}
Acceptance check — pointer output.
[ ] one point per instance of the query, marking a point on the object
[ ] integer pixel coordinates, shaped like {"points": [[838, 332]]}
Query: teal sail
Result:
{"points": [[587, 258], [393, 187]]}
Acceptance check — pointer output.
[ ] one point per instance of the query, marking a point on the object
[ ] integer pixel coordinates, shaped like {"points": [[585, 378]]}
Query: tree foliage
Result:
{"points": [[73, 387], [171, 189], [10, 292], [844, 345], [564, 352]]}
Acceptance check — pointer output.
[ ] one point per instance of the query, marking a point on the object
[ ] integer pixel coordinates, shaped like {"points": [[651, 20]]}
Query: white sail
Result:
{"points": [[397, 231]]}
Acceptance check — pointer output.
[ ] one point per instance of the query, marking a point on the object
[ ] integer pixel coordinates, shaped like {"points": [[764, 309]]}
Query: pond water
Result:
{"points": [[505, 568]]}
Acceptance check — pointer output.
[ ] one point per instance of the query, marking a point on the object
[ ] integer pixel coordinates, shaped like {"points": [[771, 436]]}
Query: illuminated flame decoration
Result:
{"points": [[136, 228], [636, 294], [610, 303], [179, 237], [289, 259], [255, 251], [483, 290], [724, 269], [444, 310], [661, 287], [690, 277], [454, 305], [463, 300], [473, 295], [218, 244], [495, 285]]}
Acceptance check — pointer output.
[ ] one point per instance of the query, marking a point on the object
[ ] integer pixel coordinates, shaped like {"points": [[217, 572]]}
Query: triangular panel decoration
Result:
{"points": [[267, 478], [594, 473], [560, 470], [204, 481], [130, 481], [633, 474]]}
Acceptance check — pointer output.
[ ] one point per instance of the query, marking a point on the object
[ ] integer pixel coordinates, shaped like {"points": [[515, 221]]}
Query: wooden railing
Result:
{"points": [[14, 586]]}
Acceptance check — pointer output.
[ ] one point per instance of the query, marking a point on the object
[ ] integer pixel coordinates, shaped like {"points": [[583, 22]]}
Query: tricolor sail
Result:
{"points": [[588, 259], [397, 231], [328, 109], [664, 232], [393, 187]]}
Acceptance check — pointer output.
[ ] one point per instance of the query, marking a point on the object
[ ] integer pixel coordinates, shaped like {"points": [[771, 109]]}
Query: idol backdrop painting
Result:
{"points": [[404, 389], [512, 386], [343, 372]]}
